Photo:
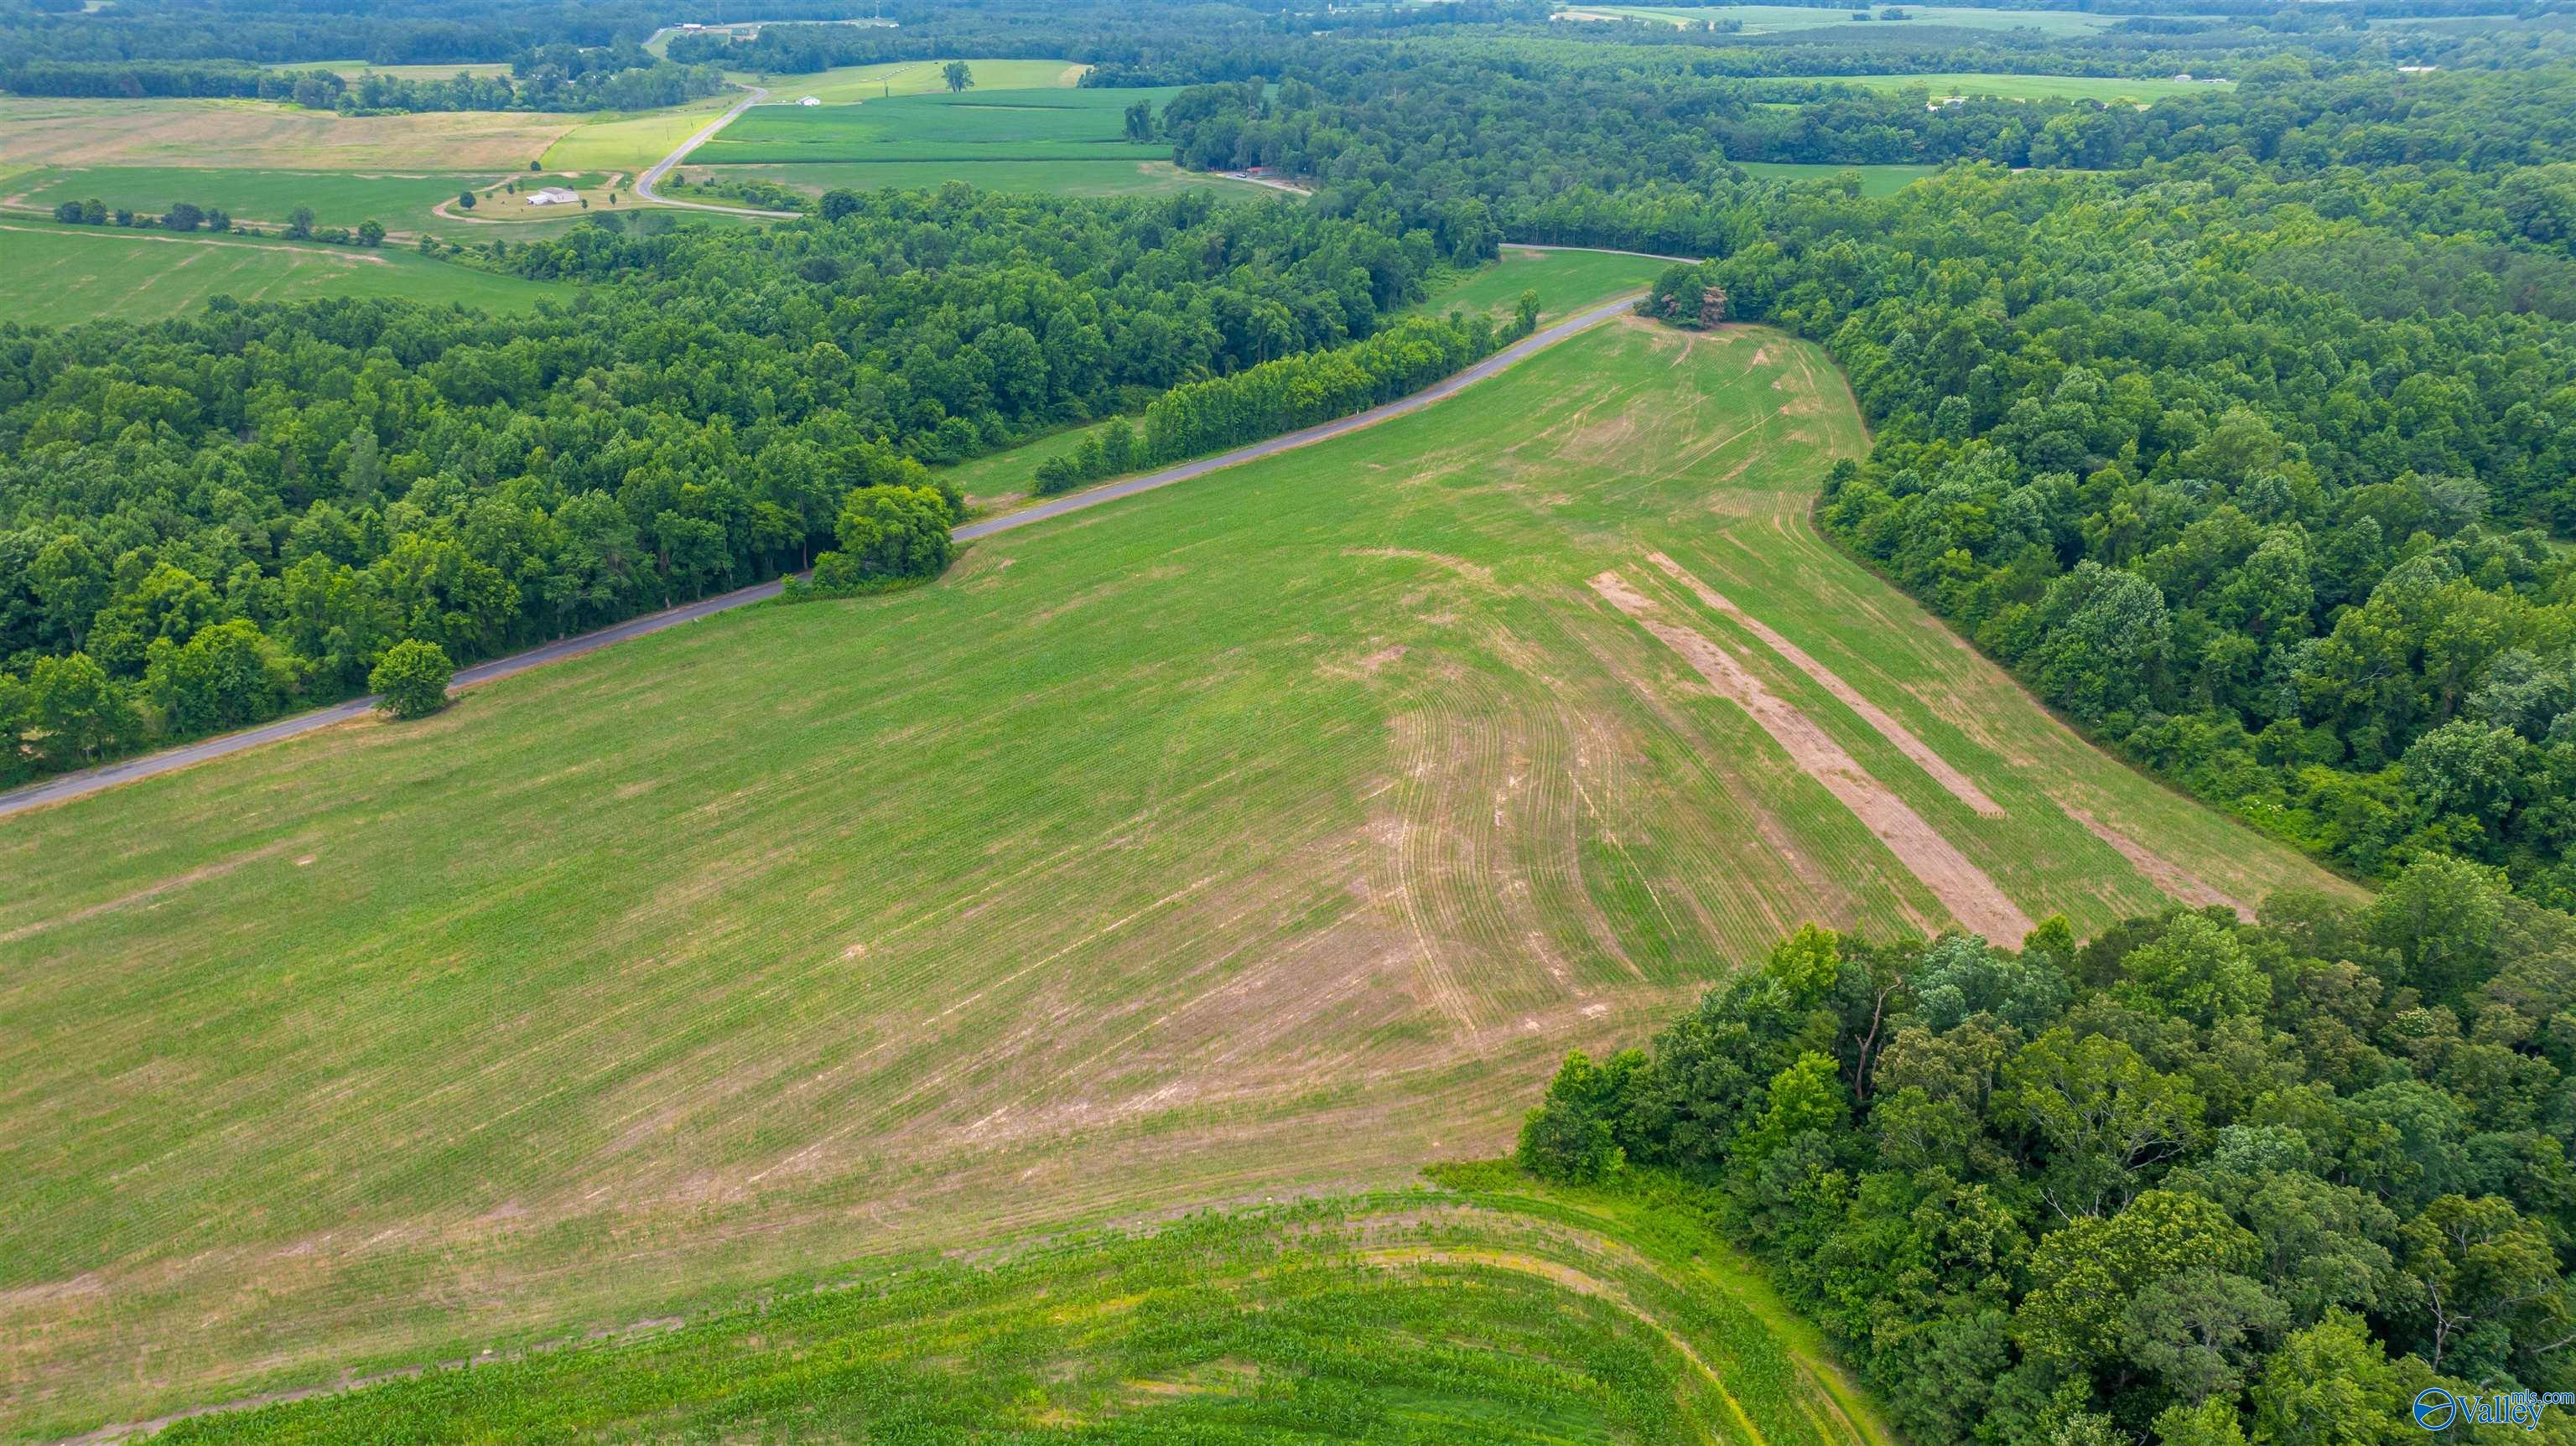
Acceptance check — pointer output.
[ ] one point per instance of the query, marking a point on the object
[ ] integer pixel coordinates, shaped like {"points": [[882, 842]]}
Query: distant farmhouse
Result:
{"points": [[811, 100], [553, 196]]}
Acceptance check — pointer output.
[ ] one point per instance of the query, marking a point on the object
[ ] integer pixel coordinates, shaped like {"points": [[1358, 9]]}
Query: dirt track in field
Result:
{"points": [[2163, 873], [1964, 889], [1960, 785]]}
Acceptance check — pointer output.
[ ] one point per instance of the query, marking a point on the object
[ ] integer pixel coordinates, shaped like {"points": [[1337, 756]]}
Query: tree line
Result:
{"points": [[208, 520], [1315, 386], [550, 85], [383, 32], [2195, 1182]]}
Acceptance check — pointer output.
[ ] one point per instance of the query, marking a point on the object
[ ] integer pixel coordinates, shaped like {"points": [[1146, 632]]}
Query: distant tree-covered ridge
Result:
{"points": [[1547, 125], [206, 520], [2196, 1182], [557, 78]]}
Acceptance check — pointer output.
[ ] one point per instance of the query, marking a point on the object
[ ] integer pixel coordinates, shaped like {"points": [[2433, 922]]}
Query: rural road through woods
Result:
{"points": [[108, 775]]}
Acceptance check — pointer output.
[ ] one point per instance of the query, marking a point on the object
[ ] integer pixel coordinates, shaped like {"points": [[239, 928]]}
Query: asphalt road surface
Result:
{"points": [[92, 780], [654, 173]]}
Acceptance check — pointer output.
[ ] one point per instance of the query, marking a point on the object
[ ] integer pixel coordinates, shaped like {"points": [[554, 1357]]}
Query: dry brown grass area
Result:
{"points": [[255, 135]]}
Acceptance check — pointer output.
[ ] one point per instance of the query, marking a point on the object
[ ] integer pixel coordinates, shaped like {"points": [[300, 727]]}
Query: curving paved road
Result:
{"points": [[653, 174], [93, 780]]}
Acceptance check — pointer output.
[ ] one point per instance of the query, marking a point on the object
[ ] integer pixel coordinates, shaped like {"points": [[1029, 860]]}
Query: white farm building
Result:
{"points": [[553, 196]]}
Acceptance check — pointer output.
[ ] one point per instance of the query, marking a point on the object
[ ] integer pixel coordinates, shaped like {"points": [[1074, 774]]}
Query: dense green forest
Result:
{"points": [[1547, 125], [211, 519], [2194, 1181], [556, 78]]}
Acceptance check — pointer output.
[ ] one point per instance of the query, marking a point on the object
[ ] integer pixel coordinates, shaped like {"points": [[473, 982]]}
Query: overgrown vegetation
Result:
{"points": [[2195, 1181]]}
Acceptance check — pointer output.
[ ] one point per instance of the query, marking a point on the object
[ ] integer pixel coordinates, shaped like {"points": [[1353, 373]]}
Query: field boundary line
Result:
{"points": [[82, 782]]}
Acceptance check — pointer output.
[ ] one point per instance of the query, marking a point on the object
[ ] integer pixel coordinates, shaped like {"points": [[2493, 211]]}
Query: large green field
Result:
{"points": [[1494, 1312], [1272, 831], [978, 125], [60, 275]]}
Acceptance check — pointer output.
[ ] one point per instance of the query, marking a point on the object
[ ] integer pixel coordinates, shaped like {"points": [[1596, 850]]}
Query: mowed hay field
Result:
{"points": [[1495, 1311], [1275, 830], [256, 135], [59, 277]]}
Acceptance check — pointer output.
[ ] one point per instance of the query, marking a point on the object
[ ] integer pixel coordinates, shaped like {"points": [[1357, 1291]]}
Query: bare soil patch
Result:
{"points": [[2163, 873], [1971, 897], [1961, 786]]}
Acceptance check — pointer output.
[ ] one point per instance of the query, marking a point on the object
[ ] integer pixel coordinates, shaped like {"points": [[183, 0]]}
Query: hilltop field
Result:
{"points": [[1272, 833]]}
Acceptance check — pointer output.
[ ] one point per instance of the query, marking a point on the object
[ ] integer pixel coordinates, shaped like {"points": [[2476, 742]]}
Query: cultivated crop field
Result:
{"points": [[60, 276], [978, 125], [1496, 1311], [1273, 831]]}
